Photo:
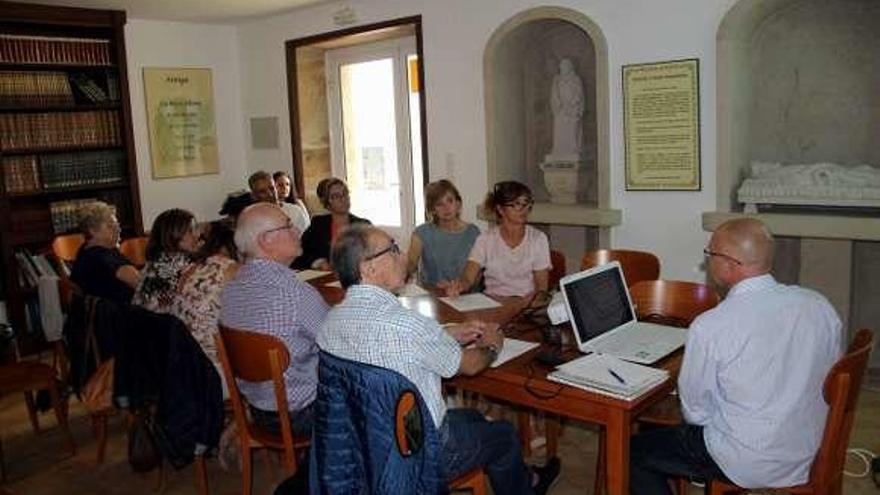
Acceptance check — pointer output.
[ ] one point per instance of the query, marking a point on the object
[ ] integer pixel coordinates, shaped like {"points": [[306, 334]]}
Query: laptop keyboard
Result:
{"points": [[644, 341]]}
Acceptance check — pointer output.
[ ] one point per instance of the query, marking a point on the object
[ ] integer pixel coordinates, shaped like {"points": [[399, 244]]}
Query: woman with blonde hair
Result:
{"points": [[439, 248], [100, 269], [514, 256]]}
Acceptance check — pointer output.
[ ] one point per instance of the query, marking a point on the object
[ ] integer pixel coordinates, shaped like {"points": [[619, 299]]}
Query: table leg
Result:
{"points": [[617, 433]]}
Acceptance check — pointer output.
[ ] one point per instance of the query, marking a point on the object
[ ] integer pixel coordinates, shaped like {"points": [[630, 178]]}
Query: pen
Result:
{"points": [[616, 376]]}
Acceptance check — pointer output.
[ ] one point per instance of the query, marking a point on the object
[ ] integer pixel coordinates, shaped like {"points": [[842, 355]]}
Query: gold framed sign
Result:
{"points": [[180, 117], [661, 125]]}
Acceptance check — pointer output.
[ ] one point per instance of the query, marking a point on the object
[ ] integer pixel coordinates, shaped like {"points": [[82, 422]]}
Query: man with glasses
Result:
{"points": [[751, 381], [266, 297], [371, 326]]}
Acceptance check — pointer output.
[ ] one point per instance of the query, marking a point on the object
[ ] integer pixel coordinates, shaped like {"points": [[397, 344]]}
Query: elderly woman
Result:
{"points": [[197, 299], [316, 240], [514, 256], [100, 269], [173, 240], [439, 249]]}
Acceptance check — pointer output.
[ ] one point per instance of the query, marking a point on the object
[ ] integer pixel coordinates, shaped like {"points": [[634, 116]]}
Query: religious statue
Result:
{"points": [[567, 103]]}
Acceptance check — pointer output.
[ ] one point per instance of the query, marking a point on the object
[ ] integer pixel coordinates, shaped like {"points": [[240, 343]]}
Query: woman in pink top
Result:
{"points": [[514, 256]]}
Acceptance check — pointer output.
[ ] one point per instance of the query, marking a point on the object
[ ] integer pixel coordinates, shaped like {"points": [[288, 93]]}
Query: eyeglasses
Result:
{"points": [[520, 205], [708, 252], [392, 248], [289, 225]]}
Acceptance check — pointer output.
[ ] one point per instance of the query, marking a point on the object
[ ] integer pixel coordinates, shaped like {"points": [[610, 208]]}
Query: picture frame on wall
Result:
{"points": [[181, 121], [661, 125]]}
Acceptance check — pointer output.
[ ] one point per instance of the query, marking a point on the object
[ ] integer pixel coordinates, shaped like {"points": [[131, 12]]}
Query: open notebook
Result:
{"points": [[609, 375]]}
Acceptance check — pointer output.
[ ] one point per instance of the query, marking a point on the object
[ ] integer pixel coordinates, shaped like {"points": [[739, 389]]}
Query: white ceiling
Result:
{"points": [[219, 11]]}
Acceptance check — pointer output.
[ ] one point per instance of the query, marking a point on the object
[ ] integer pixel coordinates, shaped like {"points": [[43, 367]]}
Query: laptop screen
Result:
{"points": [[597, 302]]}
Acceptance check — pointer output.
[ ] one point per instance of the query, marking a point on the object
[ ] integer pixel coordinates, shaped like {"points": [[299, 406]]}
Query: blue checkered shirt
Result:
{"points": [[370, 326], [266, 297]]}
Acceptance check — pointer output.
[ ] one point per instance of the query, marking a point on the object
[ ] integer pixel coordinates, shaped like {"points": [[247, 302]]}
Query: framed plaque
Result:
{"points": [[180, 118], [661, 125]]}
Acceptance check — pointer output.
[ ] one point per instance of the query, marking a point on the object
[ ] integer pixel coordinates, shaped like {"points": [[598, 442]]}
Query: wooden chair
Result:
{"points": [[28, 377], [135, 249], [557, 269], [636, 265], [670, 302], [841, 392], [65, 247], [255, 357]]}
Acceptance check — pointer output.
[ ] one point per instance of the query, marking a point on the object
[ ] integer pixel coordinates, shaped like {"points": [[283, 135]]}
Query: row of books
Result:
{"points": [[31, 173], [59, 130], [31, 267], [19, 88], [65, 214], [53, 50]]}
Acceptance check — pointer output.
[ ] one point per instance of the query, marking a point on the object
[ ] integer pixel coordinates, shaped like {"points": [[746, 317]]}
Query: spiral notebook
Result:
{"points": [[609, 375]]}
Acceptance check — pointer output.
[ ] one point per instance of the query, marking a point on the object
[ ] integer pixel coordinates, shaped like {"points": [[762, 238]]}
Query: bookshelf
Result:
{"points": [[65, 137]]}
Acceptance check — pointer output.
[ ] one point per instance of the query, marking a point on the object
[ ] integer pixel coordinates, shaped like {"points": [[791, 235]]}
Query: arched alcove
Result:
{"points": [[519, 63], [520, 60]]}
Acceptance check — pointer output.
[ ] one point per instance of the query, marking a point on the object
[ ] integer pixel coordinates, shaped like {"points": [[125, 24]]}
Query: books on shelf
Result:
{"points": [[20, 173], [65, 216], [25, 131], [88, 88], [34, 89], [15, 48], [79, 169], [608, 375]]}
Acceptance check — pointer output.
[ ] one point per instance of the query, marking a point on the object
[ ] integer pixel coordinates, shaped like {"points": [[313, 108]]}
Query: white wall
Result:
{"points": [[455, 35], [170, 44]]}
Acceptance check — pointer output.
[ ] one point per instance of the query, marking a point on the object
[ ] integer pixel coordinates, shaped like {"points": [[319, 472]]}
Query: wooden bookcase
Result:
{"points": [[65, 134]]}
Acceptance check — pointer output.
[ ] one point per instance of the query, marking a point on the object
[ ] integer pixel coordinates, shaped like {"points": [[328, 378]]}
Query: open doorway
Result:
{"points": [[357, 112]]}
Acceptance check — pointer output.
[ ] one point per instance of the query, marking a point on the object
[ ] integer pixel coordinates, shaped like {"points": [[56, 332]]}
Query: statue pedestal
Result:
{"points": [[561, 179]]}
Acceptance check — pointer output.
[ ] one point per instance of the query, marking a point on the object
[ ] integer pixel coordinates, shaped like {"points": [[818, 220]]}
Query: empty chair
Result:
{"points": [[135, 249], [841, 392], [255, 357], [671, 302], [637, 265]]}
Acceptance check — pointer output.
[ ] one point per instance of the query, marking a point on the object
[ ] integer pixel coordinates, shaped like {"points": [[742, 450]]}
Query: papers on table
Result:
{"points": [[412, 290], [470, 302], [513, 348], [609, 376], [335, 283], [306, 275]]}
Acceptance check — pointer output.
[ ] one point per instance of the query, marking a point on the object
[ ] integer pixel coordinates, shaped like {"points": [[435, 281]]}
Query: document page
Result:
{"points": [[306, 275], [470, 302], [513, 348]]}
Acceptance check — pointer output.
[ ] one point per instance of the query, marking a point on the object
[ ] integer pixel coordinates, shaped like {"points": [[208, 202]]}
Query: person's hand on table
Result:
{"points": [[492, 335], [452, 288], [465, 333]]}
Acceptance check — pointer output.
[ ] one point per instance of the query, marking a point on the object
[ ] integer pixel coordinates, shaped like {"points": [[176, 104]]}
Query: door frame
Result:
{"points": [[291, 47]]}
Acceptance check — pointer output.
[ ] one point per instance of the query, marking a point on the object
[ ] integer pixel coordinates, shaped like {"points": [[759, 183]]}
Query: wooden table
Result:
{"points": [[523, 382]]}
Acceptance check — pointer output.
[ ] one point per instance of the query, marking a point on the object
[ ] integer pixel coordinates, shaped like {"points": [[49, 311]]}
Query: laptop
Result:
{"points": [[604, 322]]}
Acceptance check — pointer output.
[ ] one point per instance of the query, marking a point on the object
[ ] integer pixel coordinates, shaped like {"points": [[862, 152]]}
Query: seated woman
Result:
{"points": [[197, 298], [100, 269], [316, 240], [173, 239], [294, 207], [514, 256], [439, 249]]}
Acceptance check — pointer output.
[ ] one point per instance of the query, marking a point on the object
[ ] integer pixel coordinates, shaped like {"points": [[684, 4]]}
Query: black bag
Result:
{"points": [[143, 454]]}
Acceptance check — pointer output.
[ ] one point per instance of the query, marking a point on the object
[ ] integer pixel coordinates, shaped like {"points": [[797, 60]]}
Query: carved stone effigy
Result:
{"points": [[816, 184]]}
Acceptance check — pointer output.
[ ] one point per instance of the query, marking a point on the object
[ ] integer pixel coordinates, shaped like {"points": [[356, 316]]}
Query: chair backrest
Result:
{"points": [[557, 269], [65, 247], [841, 391], [372, 423], [256, 357], [672, 301], [135, 249], [636, 265]]}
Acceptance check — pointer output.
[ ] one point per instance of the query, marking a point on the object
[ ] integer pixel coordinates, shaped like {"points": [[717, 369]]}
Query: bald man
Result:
{"points": [[266, 297], [751, 381]]}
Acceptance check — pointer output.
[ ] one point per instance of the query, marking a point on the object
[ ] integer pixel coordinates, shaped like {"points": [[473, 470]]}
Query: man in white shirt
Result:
{"points": [[263, 190], [751, 380]]}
